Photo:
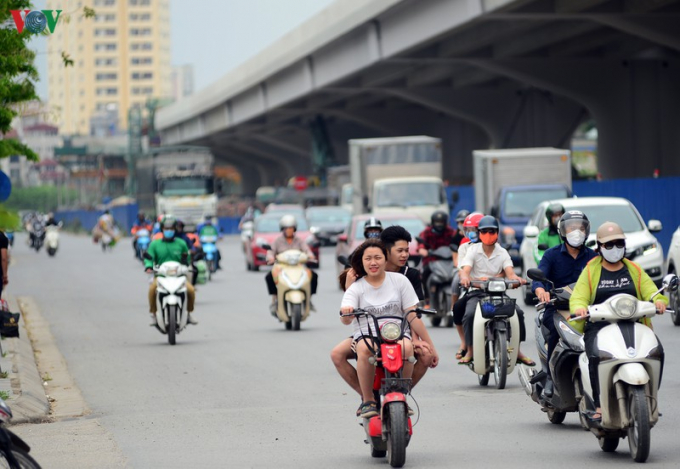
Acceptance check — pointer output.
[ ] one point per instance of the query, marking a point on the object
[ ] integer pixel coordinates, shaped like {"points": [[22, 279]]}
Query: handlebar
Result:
{"points": [[574, 317], [359, 312]]}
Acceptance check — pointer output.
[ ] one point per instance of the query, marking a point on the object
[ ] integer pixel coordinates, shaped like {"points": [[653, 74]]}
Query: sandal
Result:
{"points": [[359, 409], [460, 353], [465, 362], [369, 409], [525, 361]]}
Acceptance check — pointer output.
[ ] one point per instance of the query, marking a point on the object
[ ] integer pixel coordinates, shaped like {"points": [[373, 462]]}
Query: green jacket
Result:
{"points": [[586, 287], [545, 238], [161, 251]]}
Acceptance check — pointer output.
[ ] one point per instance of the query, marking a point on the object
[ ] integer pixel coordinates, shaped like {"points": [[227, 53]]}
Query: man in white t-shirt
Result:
{"points": [[484, 260]]}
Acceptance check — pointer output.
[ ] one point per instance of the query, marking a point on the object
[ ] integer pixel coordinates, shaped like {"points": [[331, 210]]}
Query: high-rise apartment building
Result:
{"points": [[121, 58]]}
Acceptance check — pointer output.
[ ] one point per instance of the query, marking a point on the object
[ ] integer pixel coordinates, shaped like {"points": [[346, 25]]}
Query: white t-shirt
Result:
{"points": [[462, 251], [393, 298], [483, 266]]}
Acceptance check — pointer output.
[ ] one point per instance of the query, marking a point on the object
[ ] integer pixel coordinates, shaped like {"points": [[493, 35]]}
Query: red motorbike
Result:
{"points": [[389, 433]]}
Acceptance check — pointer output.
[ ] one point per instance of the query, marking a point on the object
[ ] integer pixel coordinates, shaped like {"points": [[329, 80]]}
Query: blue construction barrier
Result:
{"points": [[228, 225], [125, 216]]}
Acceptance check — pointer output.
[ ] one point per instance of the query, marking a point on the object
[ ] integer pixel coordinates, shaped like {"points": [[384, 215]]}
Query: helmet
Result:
{"points": [[462, 215], [169, 222], [439, 218], [288, 221], [552, 210], [372, 224], [472, 220], [488, 222], [571, 218]]}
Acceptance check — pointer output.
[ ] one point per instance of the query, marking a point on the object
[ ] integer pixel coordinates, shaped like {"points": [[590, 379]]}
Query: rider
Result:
{"points": [[372, 228], [396, 240], [208, 229], [550, 236], [562, 265], [484, 260], [603, 277], [50, 220], [469, 228], [193, 248], [438, 234], [382, 294], [169, 248], [285, 242], [460, 219], [141, 223]]}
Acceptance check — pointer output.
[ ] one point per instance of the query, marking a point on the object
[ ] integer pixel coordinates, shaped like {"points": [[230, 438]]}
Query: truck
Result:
{"points": [[396, 175], [510, 183], [179, 181]]}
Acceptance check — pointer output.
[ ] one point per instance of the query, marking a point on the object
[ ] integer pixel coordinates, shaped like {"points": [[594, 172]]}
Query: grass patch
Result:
{"points": [[4, 395], [47, 377], [3, 374]]}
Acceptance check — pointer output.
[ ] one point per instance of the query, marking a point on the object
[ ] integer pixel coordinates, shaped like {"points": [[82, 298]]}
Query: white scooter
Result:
{"points": [[629, 373], [52, 239], [171, 279], [293, 287], [495, 332]]}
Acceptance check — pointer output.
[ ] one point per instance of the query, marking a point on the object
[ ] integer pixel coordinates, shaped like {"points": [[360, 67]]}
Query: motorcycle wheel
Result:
{"points": [[398, 436], [295, 316], [172, 325], [675, 304], [446, 304], [483, 379], [556, 417], [51, 252], [211, 266], [578, 392], [639, 433], [500, 359], [22, 457], [608, 444], [435, 320]]}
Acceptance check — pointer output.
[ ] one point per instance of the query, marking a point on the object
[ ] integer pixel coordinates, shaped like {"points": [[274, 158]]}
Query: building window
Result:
{"points": [[141, 60], [135, 3], [106, 46], [106, 76], [140, 32], [107, 91], [105, 18], [145, 90], [142, 75], [106, 61], [141, 46], [105, 32], [140, 16], [104, 3]]}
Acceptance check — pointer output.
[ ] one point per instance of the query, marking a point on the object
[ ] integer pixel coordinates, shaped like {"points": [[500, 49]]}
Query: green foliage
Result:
{"points": [[9, 220], [4, 394], [17, 77], [41, 198]]}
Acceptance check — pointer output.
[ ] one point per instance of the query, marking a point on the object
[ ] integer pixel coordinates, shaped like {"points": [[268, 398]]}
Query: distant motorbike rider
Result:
{"points": [[208, 229], [141, 223], [562, 265], [550, 236], [168, 248], [287, 241], [372, 228], [460, 219], [483, 260], [50, 220], [438, 234]]}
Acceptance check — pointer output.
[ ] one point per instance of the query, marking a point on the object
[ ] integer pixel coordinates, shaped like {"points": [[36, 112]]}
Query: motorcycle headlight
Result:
{"points": [[496, 286], [390, 331], [624, 307]]}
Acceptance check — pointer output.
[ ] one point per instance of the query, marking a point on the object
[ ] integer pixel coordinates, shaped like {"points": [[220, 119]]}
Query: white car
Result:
{"points": [[673, 267], [641, 245]]}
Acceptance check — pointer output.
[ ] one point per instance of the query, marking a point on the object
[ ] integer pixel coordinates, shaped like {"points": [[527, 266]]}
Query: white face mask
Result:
{"points": [[614, 254], [576, 238]]}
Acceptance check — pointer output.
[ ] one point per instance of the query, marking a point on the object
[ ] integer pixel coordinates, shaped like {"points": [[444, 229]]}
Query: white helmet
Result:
{"points": [[287, 221]]}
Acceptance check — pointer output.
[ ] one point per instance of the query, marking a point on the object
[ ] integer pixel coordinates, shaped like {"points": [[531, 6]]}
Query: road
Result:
{"points": [[239, 391]]}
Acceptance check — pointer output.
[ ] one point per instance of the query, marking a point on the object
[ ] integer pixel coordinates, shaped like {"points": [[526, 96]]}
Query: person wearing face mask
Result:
{"points": [[438, 234], [549, 237], [603, 277], [562, 265], [168, 248], [483, 260], [372, 228]]}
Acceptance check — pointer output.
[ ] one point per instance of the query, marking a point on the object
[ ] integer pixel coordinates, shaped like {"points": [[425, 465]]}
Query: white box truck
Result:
{"points": [[397, 175]]}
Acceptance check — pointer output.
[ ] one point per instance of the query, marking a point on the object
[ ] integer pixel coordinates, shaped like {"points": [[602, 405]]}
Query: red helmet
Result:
{"points": [[472, 220]]}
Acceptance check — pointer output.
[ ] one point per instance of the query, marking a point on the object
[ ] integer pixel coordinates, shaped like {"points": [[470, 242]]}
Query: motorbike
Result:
{"points": [[52, 239], [629, 373], [563, 365], [293, 285], [495, 331], [143, 238], [14, 452], [438, 285], [389, 433], [171, 317], [37, 235], [210, 252]]}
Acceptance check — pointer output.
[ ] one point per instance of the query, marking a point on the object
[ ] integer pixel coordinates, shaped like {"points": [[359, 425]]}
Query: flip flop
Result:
{"points": [[526, 361], [462, 362], [460, 353]]}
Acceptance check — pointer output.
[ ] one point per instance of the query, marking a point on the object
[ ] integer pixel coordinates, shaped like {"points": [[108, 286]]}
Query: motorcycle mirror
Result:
{"points": [[265, 246], [670, 282], [344, 261], [536, 274], [542, 247]]}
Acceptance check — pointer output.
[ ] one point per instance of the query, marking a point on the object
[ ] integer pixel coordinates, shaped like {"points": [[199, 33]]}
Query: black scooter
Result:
{"points": [[13, 450]]}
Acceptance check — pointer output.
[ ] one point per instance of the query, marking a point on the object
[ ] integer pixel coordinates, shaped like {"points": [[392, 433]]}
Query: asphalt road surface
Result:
{"points": [[240, 391]]}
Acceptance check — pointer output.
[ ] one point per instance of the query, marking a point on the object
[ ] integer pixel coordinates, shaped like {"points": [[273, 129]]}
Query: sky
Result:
{"points": [[215, 36]]}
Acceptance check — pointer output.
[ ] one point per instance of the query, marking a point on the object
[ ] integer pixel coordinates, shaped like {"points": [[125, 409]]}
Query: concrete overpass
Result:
{"points": [[477, 73]]}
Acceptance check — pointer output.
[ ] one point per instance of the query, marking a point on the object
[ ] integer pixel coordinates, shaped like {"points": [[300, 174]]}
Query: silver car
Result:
{"points": [[673, 267], [641, 245]]}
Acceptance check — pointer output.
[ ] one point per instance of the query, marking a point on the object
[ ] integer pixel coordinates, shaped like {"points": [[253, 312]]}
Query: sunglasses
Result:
{"points": [[488, 231], [612, 244]]}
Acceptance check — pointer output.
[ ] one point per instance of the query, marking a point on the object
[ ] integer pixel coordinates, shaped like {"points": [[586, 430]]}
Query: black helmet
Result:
{"points": [[439, 220], [372, 224], [570, 218], [462, 215], [488, 222], [552, 210]]}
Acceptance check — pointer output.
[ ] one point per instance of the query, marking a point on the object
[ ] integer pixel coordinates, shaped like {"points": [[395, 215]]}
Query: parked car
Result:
{"points": [[641, 245], [673, 267], [353, 235], [266, 230], [327, 222]]}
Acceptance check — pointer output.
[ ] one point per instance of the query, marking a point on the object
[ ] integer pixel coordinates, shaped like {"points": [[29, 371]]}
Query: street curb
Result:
{"points": [[31, 405]]}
